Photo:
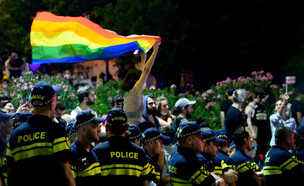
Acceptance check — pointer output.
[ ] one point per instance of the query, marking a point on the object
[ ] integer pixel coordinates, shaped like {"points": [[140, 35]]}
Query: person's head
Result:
{"points": [[222, 140], [201, 122], [43, 98], [253, 97], [9, 107], [86, 95], [87, 126], [184, 107], [167, 130], [145, 125], [298, 95], [60, 109], [130, 79], [188, 136], [6, 122], [162, 107], [152, 141], [211, 145], [116, 124], [239, 96], [14, 55], [151, 107], [242, 139], [278, 104], [229, 91], [284, 137], [117, 102], [134, 134], [5, 83]]}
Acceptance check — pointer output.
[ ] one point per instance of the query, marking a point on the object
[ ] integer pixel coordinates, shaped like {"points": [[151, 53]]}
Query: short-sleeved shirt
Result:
{"points": [[226, 105], [154, 168], [296, 107], [277, 121], [245, 167], [281, 168], [34, 150], [121, 162], [186, 168], [85, 168], [222, 162], [234, 119]]}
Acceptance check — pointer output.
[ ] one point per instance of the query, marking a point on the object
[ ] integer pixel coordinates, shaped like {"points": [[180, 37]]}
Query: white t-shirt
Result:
{"points": [[277, 121]]}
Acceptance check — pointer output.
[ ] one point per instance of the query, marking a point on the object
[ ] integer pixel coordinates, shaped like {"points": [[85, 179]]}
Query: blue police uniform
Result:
{"points": [[35, 148], [223, 160], [3, 167], [186, 168], [85, 169], [281, 168], [300, 156], [121, 162], [245, 167]]}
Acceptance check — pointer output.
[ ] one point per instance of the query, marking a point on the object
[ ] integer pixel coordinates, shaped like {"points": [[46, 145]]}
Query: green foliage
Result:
{"points": [[21, 89]]}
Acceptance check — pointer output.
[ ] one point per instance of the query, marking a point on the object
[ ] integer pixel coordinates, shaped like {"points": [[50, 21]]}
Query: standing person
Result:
{"points": [[226, 105], [86, 97], [15, 65], [245, 166], [185, 167], [149, 113], [133, 83], [184, 108], [296, 107], [281, 117], [121, 161], [162, 111], [282, 167], [85, 168], [38, 150], [235, 118], [252, 122]]}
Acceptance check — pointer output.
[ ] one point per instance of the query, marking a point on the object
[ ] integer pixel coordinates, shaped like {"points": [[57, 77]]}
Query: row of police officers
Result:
{"points": [[39, 153]]}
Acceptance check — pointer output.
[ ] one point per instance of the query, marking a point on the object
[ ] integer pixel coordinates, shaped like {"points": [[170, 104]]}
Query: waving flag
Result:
{"points": [[59, 39]]}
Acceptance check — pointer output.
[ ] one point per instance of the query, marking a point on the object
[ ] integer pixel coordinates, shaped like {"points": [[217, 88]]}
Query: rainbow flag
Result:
{"points": [[59, 39]]}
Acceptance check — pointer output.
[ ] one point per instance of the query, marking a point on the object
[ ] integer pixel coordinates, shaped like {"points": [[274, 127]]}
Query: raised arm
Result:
{"points": [[146, 69]]}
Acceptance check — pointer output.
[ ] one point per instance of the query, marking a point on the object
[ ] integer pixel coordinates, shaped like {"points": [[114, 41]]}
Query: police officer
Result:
{"points": [[185, 167], [38, 150], [134, 134], [152, 144], [223, 163], [19, 118], [282, 167], [121, 161], [245, 166], [84, 167]]}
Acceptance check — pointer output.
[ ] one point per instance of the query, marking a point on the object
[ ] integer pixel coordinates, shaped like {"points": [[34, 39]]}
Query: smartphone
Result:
{"points": [[23, 102]]}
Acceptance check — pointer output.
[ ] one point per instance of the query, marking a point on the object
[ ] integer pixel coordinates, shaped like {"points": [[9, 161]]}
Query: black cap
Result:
{"points": [[187, 129], [21, 117], [85, 117], [42, 94], [152, 134], [116, 116]]}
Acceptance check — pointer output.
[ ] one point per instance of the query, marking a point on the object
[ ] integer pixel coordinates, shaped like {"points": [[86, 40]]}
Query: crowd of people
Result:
{"points": [[141, 141]]}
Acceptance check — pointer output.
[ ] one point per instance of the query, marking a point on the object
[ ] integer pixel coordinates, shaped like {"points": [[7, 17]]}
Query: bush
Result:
{"points": [[207, 102], [21, 88]]}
